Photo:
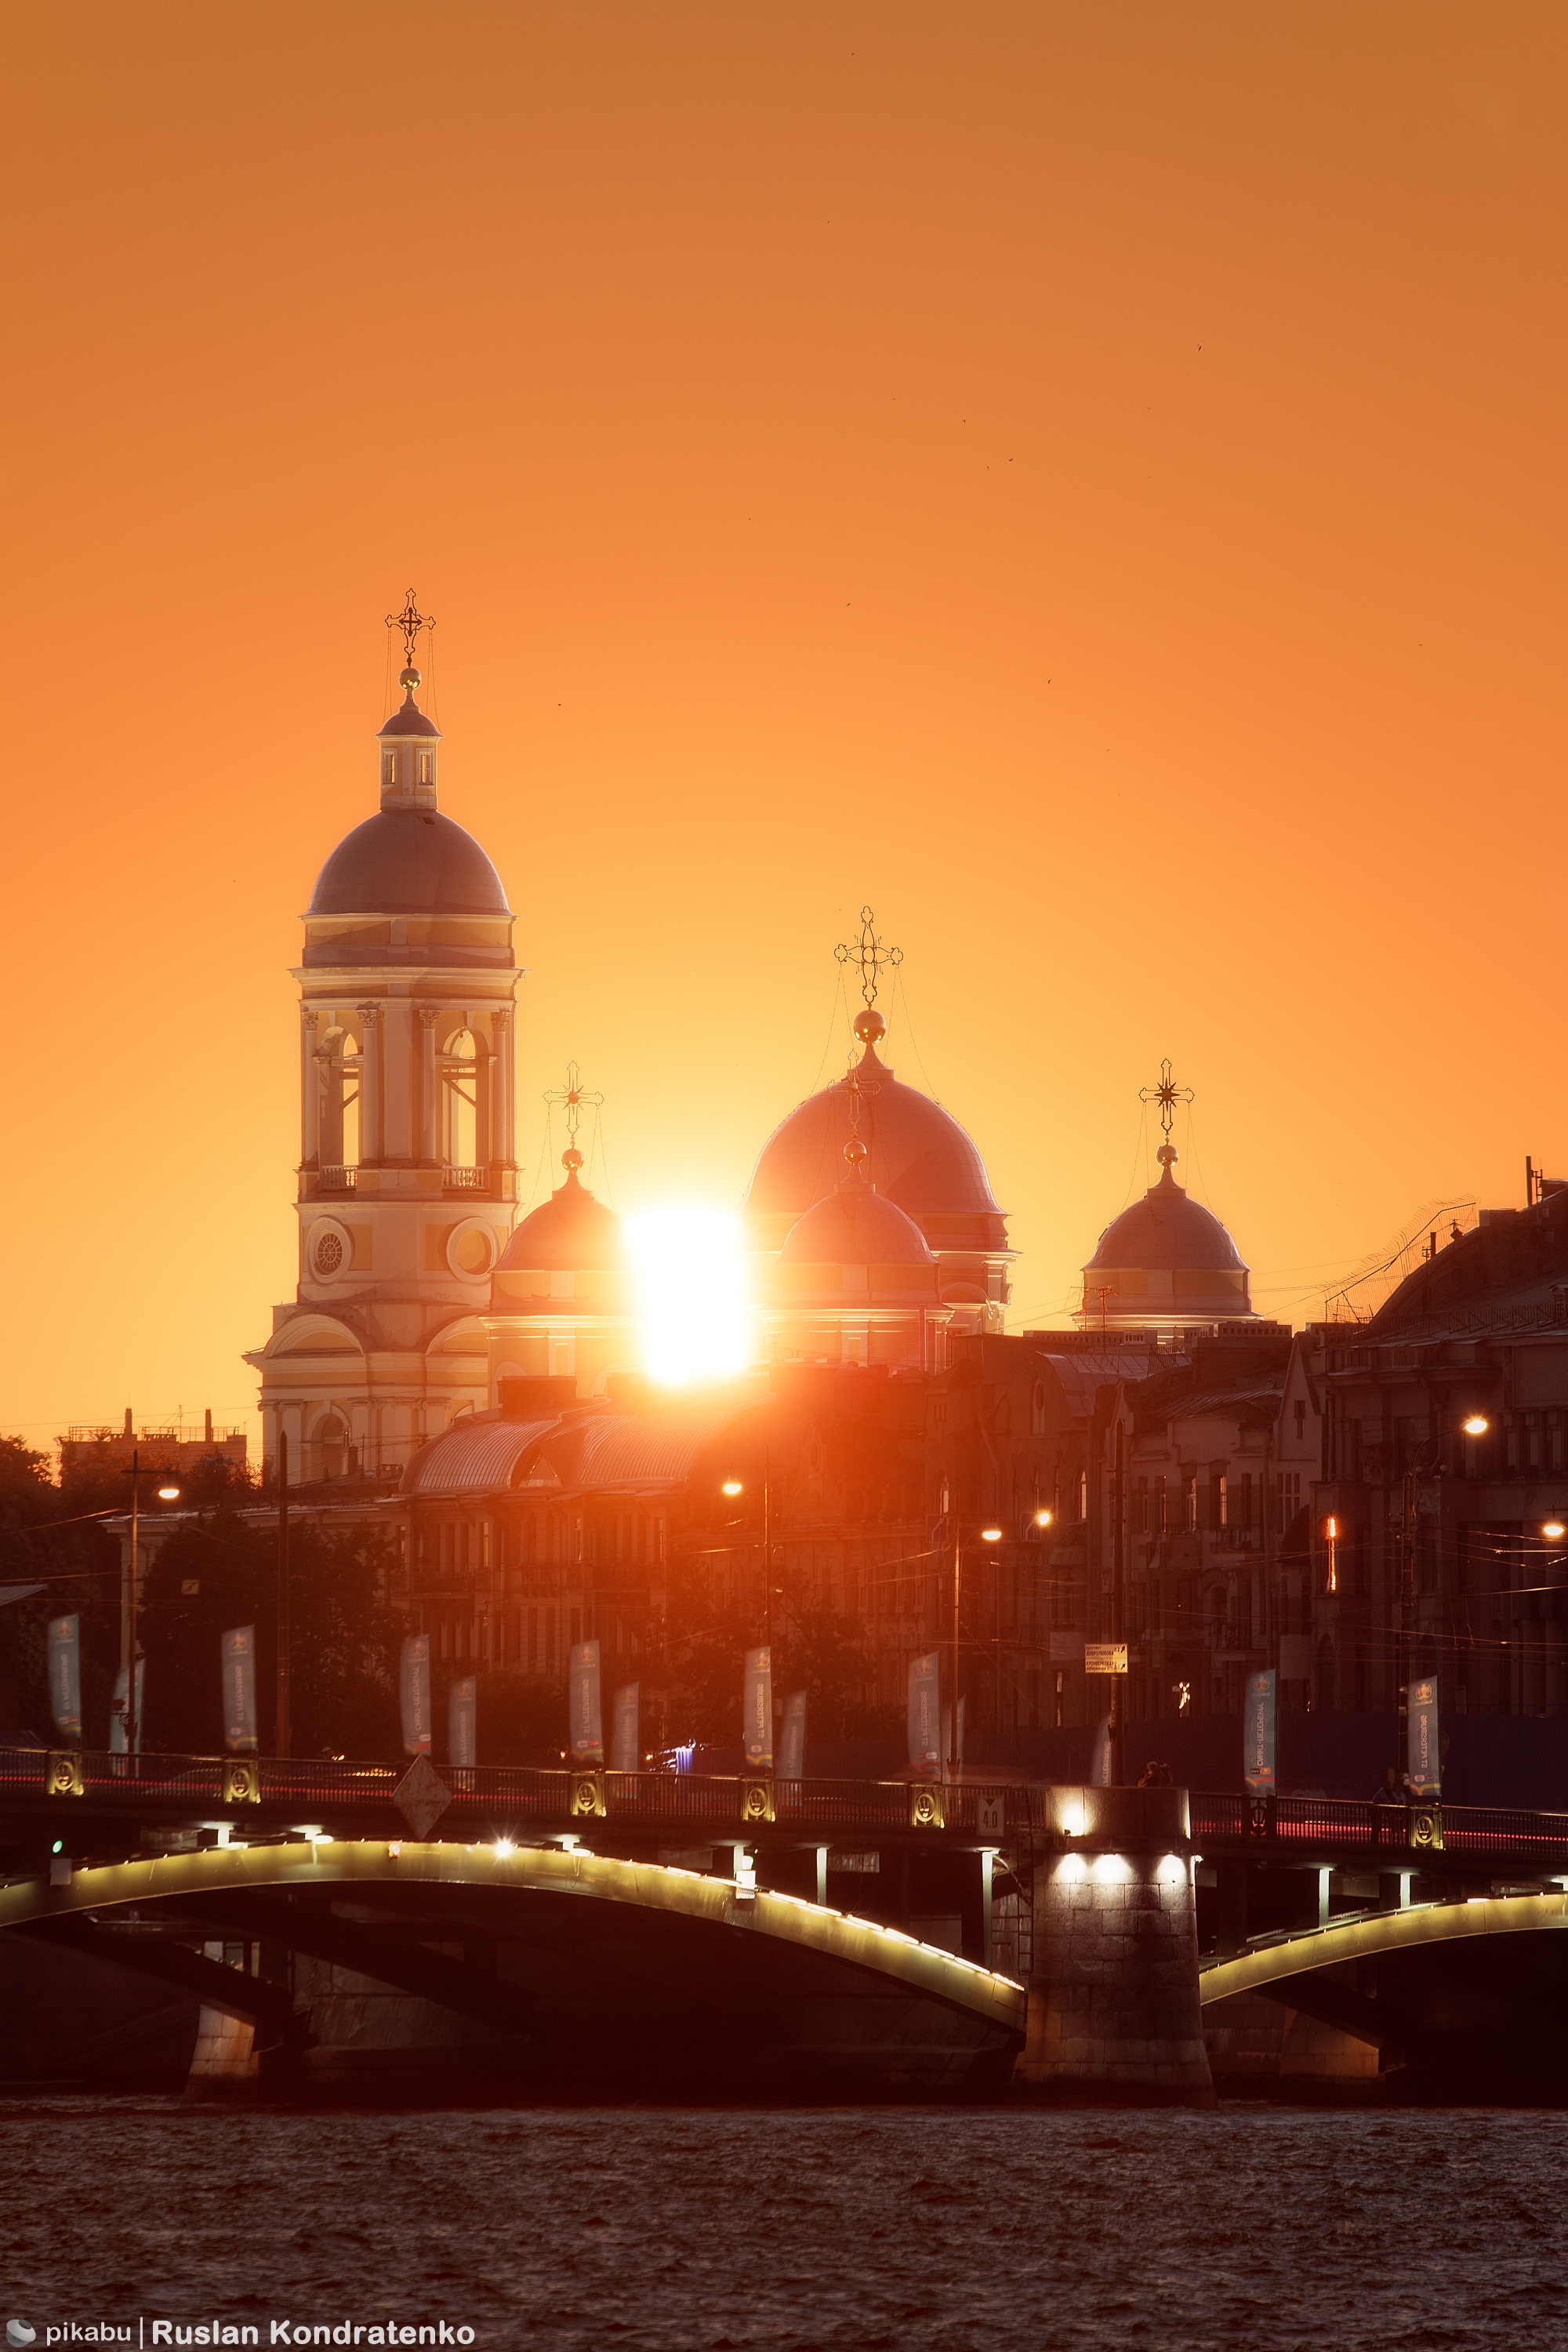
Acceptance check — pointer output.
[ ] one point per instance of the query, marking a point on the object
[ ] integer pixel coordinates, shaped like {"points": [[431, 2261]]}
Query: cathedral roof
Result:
{"points": [[409, 861], [854, 1225], [1167, 1228], [920, 1159], [570, 1231]]}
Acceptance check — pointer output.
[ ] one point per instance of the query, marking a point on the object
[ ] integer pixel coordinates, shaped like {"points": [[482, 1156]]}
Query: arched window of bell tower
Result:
{"points": [[461, 1081], [339, 1062]]}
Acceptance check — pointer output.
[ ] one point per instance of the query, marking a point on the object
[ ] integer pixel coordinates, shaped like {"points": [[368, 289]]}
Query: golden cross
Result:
{"points": [[1167, 1096], [573, 1095], [410, 619], [869, 953]]}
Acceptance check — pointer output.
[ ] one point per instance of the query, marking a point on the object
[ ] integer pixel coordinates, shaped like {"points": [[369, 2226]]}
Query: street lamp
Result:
{"points": [[129, 1596], [1554, 1530], [733, 1486], [1043, 1518], [1477, 1425], [987, 1535]]}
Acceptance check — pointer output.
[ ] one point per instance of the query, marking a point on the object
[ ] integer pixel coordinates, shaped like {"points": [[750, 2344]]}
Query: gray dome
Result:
{"points": [[1165, 1229], [408, 861]]}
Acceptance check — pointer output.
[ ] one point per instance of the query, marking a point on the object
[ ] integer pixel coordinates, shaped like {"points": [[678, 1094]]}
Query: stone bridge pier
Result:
{"points": [[1113, 2014]]}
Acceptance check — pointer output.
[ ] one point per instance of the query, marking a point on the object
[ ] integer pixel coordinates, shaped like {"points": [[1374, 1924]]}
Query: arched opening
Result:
{"points": [[334, 1456], [460, 1100], [338, 1064]]}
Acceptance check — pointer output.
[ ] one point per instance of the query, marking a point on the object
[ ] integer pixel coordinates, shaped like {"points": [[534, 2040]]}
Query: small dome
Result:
{"points": [[855, 1226], [568, 1234], [1166, 1230], [918, 1156], [409, 720], [408, 861]]}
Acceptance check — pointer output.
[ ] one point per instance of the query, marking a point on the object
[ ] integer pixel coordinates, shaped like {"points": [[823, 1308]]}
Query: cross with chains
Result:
{"points": [[410, 619], [573, 1095], [1167, 1096], [870, 955]]}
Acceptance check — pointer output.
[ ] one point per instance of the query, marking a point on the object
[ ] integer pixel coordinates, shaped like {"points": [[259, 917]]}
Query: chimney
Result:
{"points": [[129, 1430], [209, 1425]]}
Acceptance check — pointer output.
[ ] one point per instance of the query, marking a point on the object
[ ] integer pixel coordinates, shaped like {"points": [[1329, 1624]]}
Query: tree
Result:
{"points": [[345, 1636]]}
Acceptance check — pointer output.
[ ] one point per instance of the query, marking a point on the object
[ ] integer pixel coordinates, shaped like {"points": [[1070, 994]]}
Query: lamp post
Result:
{"points": [[987, 1535], [130, 1595], [733, 1486]]}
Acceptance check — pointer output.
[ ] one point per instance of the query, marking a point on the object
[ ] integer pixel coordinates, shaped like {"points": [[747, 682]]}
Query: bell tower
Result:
{"points": [[408, 1175]]}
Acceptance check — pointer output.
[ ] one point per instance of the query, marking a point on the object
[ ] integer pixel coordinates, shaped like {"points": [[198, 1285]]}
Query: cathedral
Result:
{"points": [[870, 1232]]}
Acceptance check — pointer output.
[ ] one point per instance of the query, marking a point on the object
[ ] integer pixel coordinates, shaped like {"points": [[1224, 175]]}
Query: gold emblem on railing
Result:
{"points": [[756, 1800], [63, 1777], [1426, 1828], [926, 1809], [241, 1781], [587, 1796]]}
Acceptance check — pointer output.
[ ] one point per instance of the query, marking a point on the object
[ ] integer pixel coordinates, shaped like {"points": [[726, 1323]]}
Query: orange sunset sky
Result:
{"points": [[1086, 479]]}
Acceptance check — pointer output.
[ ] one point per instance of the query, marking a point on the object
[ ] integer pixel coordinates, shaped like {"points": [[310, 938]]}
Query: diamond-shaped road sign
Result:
{"points": [[422, 1796]]}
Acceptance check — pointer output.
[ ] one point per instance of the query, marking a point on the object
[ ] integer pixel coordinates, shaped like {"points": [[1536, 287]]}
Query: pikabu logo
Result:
{"points": [[18, 2332]]}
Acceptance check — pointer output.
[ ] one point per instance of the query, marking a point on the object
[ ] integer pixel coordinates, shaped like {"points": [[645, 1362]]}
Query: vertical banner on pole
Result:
{"points": [[925, 1712], [238, 1653], [117, 1709], [757, 1711], [462, 1721], [792, 1751], [587, 1725], [1257, 1734], [1425, 1760], [415, 1681], [64, 1676], [1100, 1759], [625, 1754]]}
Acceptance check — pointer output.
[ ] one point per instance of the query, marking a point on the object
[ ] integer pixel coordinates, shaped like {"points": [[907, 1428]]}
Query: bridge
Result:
{"points": [[589, 1976], [1465, 1997], [723, 1919]]}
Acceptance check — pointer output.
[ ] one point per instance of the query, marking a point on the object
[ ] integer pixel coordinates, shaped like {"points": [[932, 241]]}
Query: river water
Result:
{"points": [[860, 2231]]}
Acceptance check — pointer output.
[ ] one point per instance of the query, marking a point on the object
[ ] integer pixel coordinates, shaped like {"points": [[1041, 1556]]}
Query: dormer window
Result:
{"points": [[389, 767]]}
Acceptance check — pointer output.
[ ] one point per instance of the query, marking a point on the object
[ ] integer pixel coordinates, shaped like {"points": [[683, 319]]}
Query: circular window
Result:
{"points": [[471, 1249], [329, 1250]]}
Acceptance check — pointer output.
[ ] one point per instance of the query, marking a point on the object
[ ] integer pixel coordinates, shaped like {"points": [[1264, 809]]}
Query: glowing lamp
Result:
{"points": [[1042, 1518], [168, 1494], [1553, 1529], [990, 1534], [1332, 1529], [1477, 1425], [731, 1486]]}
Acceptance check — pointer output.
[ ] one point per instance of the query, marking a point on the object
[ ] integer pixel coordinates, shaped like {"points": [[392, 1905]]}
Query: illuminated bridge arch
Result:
{"points": [[589, 1974]]}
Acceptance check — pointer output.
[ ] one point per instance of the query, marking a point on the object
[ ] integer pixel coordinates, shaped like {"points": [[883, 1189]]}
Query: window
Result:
{"points": [[1224, 1516], [388, 768], [1083, 1494], [460, 1100], [1301, 1413], [424, 768]]}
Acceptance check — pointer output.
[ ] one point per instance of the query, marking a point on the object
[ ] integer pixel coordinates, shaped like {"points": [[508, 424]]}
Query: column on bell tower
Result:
{"points": [[427, 1153], [370, 1086], [309, 1092]]}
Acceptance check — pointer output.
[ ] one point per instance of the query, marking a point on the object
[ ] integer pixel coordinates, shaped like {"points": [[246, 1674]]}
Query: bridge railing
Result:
{"points": [[492, 1797], [1348, 1825]]}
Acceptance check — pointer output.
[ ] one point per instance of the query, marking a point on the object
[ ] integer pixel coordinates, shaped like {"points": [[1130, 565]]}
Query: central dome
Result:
{"points": [[917, 1157], [408, 861]]}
